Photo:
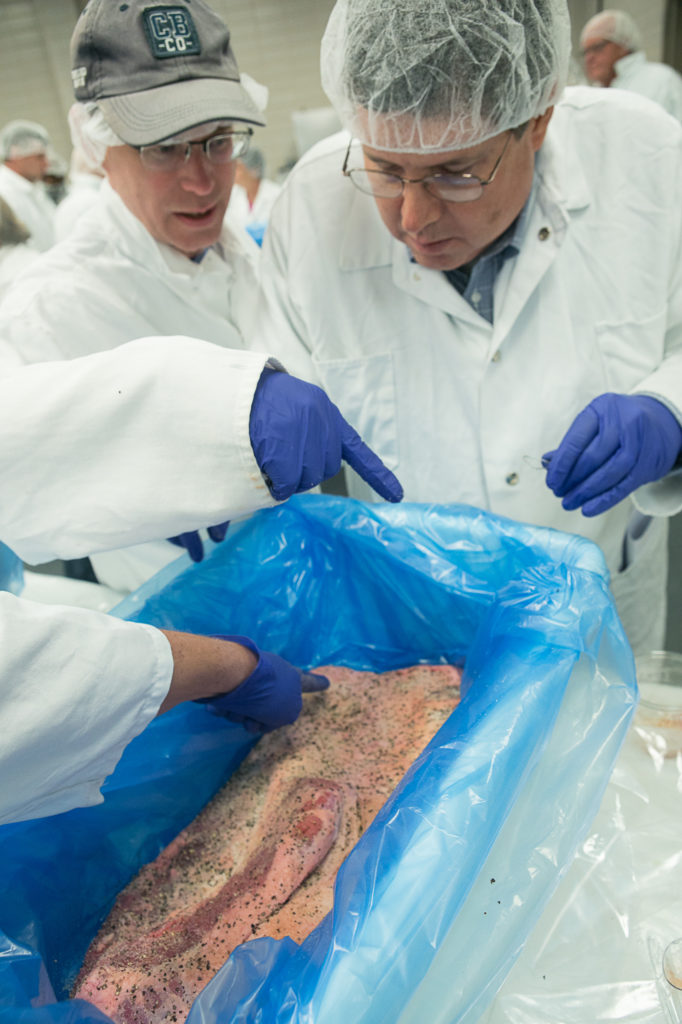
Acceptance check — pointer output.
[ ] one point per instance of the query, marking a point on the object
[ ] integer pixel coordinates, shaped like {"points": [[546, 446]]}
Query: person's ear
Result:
{"points": [[538, 128]]}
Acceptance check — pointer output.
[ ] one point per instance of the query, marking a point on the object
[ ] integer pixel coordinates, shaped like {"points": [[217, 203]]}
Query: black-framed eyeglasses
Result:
{"points": [[594, 48], [452, 188], [218, 149]]}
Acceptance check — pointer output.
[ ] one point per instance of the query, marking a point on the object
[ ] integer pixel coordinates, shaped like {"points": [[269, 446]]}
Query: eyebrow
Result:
{"points": [[454, 164]]}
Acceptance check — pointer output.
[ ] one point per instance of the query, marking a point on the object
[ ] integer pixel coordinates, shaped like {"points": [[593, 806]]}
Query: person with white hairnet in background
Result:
{"points": [[484, 272], [24, 147], [160, 100], [611, 49]]}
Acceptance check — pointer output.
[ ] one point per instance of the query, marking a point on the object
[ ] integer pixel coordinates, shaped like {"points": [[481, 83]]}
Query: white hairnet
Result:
{"points": [[23, 138], [428, 75], [615, 26], [90, 133]]}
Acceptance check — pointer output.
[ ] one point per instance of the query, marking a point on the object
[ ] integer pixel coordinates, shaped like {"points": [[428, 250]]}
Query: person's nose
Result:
{"points": [[419, 208], [197, 173]]}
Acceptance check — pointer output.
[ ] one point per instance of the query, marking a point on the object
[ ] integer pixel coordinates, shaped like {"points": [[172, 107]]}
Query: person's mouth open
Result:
{"points": [[197, 218]]}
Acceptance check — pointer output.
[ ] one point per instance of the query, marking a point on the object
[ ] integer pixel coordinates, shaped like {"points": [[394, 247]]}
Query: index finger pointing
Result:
{"points": [[369, 466], [311, 682]]}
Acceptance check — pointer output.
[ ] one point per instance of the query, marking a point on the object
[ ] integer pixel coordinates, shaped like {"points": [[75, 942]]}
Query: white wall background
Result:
{"points": [[276, 41]]}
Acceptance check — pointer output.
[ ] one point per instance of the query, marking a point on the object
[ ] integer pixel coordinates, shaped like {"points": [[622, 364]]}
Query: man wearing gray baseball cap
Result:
{"points": [[162, 108]]}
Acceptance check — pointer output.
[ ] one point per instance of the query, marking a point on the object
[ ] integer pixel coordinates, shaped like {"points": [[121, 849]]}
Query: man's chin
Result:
{"points": [[441, 261]]}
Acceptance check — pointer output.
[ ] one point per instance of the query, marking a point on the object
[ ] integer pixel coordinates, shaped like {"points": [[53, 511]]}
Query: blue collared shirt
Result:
{"points": [[476, 281]]}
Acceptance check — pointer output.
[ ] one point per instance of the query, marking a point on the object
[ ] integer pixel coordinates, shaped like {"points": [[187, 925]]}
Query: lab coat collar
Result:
{"points": [[366, 242], [563, 186], [628, 64]]}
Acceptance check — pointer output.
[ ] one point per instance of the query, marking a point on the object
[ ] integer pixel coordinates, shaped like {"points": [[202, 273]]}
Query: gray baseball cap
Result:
{"points": [[157, 69]]}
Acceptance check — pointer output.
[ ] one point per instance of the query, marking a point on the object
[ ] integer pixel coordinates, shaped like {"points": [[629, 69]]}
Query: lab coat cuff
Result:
{"points": [[662, 497]]}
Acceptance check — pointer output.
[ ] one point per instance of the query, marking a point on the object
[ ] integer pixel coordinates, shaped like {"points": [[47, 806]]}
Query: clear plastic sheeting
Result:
{"points": [[602, 945], [435, 902]]}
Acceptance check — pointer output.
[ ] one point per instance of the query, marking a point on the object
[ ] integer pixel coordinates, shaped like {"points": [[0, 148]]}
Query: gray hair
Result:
{"points": [[616, 27]]}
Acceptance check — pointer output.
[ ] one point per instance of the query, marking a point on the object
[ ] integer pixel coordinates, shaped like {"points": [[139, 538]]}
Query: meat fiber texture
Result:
{"points": [[262, 857]]}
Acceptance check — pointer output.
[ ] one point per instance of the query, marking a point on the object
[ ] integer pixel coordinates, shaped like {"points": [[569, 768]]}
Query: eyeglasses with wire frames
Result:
{"points": [[452, 188], [218, 149]]}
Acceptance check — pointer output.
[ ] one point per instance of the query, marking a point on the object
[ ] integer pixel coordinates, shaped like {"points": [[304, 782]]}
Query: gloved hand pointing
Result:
{"points": [[270, 696], [616, 444], [299, 438]]}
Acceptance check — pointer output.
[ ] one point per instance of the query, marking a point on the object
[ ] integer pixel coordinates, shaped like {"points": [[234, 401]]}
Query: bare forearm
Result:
{"points": [[204, 666]]}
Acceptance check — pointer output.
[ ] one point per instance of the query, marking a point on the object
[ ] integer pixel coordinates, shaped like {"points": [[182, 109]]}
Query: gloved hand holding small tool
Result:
{"points": [[615, 445]]}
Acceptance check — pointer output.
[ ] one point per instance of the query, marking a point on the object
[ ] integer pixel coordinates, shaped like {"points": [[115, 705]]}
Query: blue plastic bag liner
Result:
{"points": [[11, 571], [435, 902]]}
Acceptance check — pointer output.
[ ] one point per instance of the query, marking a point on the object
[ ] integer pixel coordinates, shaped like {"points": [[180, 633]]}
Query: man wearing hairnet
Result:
{"points": [[24, 153], [485, 274], [613, 58]]}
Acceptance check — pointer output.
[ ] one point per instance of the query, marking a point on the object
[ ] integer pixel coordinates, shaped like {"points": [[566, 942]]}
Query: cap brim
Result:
{"points": [[144, 118]]}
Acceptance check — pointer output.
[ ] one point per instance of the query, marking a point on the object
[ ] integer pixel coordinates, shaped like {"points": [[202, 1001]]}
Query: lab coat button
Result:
{"points": [[416, 276], [512, 479], [496, 356], [543, 234]]}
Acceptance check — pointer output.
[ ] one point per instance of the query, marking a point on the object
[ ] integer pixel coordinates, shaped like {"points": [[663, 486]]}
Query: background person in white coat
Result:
{"points": [[24, 154], [468, 271], [253, 194], [93, 458], [151, 257], [611, 49]]}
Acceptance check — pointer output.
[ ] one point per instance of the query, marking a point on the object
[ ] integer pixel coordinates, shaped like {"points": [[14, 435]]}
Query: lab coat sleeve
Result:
{"points": [[279, 326], [66, 720], [143, 441]]}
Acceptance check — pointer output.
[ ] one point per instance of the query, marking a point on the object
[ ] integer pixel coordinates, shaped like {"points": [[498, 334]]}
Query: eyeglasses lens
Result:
{"points": [[220, 149], [388, 186]]}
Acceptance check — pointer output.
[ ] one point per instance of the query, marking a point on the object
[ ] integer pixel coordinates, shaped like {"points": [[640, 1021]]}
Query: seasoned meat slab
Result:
{"points": [[262, 856]]}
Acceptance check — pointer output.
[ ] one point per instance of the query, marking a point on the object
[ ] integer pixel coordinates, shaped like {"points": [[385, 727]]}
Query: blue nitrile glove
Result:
{"points": [[270, 696], [299, 438], [616, 444], [193, 544]]}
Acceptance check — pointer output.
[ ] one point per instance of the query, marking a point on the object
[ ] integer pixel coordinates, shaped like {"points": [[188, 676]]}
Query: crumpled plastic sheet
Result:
{"points": [[597, 951], [436, 901]]}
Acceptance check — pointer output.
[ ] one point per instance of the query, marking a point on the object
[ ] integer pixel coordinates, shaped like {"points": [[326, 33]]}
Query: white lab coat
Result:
{"points": [[658, 82], [110, 282], [461, 409], [31, 204], [82, 193], [14, 259], [87, 464]]}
